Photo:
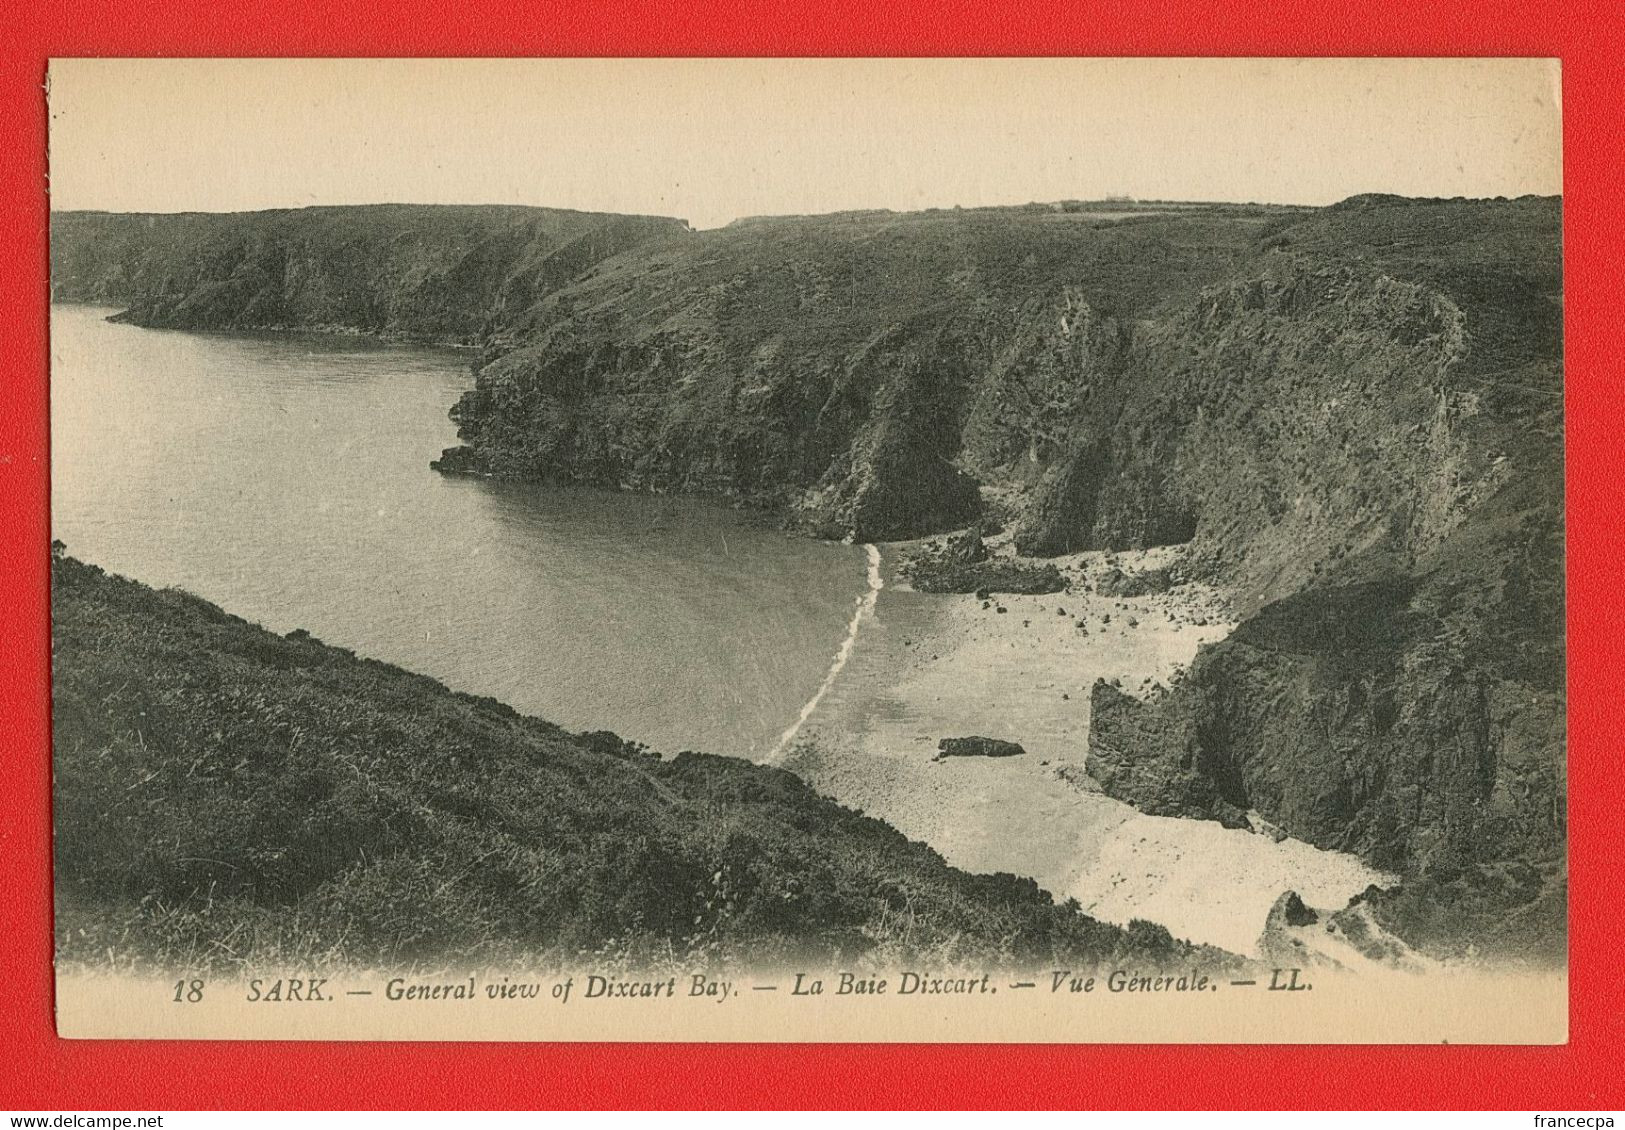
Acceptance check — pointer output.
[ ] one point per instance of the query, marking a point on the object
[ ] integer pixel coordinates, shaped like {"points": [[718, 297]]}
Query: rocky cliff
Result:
{"points": [[860, 373], [1284, 381], [443, 274], [1372, 453], [1415, 717], [1358, 386]]}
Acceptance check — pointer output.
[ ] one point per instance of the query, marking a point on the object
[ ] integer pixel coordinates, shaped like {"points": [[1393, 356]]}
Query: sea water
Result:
{"points": [[286, 479]]}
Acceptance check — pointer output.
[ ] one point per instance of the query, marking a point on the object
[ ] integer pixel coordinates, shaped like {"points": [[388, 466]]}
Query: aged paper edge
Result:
{"points": [[1467, 1007]]}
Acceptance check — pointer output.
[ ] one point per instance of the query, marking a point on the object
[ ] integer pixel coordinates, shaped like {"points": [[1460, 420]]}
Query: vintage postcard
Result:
{"points": [[851, 550]]}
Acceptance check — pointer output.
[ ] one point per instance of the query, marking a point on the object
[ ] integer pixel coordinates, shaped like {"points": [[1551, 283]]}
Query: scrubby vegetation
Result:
{"points": [[226, 796]]}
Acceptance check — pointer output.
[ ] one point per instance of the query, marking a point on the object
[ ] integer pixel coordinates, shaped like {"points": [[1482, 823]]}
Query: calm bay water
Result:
{"points": [[287, 479]]}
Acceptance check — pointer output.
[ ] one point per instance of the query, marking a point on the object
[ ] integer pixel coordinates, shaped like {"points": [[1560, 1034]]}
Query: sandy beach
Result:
{"points": [[927, 666]]}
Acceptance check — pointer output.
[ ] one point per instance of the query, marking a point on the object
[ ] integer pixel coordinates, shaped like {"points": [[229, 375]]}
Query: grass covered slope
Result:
{"points": [[227, 796]]}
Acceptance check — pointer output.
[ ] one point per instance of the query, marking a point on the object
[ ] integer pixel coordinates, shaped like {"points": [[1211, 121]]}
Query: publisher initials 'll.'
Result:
{"points": [[1286, 981]]}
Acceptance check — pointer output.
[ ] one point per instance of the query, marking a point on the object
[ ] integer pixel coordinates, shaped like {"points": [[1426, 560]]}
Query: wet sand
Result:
{"points": [[929, 666]]}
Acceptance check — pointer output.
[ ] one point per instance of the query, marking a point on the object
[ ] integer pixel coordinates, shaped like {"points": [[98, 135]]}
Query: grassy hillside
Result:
{"points": [[228, 796]]}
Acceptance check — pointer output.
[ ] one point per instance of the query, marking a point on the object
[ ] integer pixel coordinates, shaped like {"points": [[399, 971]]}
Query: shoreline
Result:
{"points": [[928, 666], [865, 605], [327, 332]]}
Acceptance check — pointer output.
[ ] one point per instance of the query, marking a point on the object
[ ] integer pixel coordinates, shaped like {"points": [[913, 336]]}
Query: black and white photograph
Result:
{"points": [[1019, 550]]}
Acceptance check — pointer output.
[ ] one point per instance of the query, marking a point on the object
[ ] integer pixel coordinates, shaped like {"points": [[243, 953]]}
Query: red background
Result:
{"points": [[38, 1071]]}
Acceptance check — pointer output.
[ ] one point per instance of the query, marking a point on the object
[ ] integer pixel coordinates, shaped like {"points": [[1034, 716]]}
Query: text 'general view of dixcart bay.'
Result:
{"points": [[933, 550]]}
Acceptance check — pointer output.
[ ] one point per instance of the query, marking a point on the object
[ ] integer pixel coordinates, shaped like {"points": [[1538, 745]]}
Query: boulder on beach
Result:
{"points": [[978, 747]]}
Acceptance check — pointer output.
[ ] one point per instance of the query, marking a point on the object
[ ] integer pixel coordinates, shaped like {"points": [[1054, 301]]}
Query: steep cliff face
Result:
{"points": [[1375, 463], [444, 274], [1409, 718], [1376, 718], [1414, 716], [1276, 409], [859, 373], [1276, 385], [1322, 404]]}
